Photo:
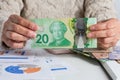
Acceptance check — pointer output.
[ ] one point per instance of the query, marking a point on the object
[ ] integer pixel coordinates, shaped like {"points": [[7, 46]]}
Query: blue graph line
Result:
{"points": [[13, 57], [55, 69]]}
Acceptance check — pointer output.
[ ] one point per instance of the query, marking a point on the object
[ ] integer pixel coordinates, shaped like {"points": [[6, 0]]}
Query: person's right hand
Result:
{"points": [[17, 31]]}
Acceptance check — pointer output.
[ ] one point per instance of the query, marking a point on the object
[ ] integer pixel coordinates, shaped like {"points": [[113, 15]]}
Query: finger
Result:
{"points": [[102, 33], [14, 36], [106, 45], [23, 22], [12, 44], [110, 24], [114, 43], [20, 30], [108, 40]]}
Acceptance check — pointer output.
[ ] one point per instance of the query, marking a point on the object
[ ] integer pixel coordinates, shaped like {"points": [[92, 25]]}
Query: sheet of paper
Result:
{"points": [[28, 71], [42, 66], [15, 56]]}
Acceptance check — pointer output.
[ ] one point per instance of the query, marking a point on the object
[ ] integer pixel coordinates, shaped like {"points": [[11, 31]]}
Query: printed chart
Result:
{"points": [[22, 69], [26, 71]]}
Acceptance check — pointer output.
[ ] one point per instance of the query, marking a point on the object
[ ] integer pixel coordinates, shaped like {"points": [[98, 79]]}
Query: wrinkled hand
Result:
{"points": [[17, 31], [107, 33]]}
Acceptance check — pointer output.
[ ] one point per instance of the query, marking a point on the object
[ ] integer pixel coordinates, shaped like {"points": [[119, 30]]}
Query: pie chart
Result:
{"points": [[23, 69]]}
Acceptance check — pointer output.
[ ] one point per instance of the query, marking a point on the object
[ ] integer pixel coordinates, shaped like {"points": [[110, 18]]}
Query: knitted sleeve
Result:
{"points": [[100, 9]]}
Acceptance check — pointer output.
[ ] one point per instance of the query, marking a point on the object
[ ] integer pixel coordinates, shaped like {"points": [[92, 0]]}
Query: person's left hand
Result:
{"points": [[107, 33]]}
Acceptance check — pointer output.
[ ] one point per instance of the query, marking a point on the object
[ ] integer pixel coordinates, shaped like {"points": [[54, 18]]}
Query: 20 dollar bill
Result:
{"points": [[63, 33]]}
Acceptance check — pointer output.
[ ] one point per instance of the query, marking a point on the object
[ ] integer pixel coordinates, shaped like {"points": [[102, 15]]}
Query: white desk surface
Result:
{"points": [[87, 68], [78, 67]]}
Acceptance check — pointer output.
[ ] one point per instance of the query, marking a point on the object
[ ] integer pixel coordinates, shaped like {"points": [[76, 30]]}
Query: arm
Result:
{"points": [[16, 30], [107, 30], [8, 7]]}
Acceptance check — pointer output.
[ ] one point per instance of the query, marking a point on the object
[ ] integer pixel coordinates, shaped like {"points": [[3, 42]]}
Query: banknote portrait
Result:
{"points": [[58, 30]]}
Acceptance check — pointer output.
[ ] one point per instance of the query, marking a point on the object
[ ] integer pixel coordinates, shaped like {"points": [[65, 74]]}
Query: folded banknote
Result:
{"points": [[100, 55], [63, 33]]}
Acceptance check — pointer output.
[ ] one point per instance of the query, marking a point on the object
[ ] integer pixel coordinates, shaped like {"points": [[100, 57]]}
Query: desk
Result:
{"points": [[78, 67], [87, 68]]}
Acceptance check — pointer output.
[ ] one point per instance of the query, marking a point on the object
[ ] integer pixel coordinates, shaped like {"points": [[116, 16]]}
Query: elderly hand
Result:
{"points": [[107, 33], [17, 31]]}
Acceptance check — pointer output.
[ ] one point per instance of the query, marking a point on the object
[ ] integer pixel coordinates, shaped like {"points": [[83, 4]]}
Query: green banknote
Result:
{"points": [[63, 33]]}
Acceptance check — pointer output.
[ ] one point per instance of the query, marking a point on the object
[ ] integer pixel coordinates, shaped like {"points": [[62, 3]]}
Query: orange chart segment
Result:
{"points": [[32, 70]]}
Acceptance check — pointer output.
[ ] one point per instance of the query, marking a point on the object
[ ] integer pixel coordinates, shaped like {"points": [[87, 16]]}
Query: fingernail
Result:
{"points": [[89, 35], [35, 27], [92, 28], [32, 34]]}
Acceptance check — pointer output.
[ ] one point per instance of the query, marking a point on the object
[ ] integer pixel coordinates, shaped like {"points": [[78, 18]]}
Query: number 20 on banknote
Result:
{"points": [[63, 33]]}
